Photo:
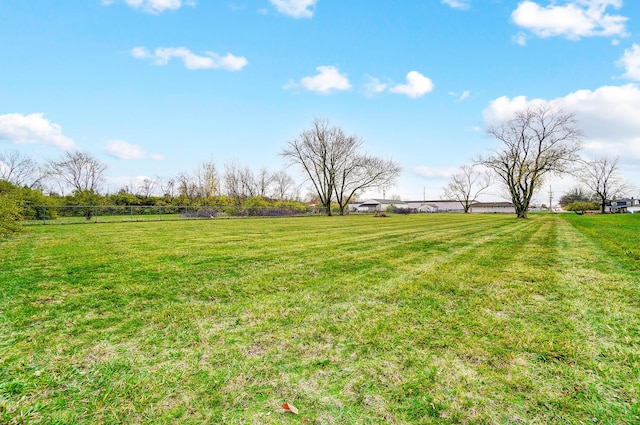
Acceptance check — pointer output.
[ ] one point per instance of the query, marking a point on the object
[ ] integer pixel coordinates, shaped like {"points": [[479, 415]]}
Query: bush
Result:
{"points": [[581, 206], [10, 209]]}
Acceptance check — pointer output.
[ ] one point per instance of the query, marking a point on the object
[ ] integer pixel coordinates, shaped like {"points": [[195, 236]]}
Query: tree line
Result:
{"points": [[82, 173], [534, 143], [78, 179]]}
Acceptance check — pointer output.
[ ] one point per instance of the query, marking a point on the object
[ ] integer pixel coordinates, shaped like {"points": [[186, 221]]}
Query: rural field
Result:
{"points": [[418, 319]]}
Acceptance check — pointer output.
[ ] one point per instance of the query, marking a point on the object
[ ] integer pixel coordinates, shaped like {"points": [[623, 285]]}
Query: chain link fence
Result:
{"points": [[44, 215]]}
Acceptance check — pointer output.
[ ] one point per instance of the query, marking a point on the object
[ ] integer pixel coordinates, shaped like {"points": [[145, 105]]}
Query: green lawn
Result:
{"points": [[444, 318]]}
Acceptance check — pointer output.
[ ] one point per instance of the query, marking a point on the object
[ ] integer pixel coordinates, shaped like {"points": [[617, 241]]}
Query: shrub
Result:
{"points": [[10, 209], [581, 206]]}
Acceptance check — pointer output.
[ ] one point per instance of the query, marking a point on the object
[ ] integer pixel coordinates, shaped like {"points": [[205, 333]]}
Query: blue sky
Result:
{"points": [[153, 87]]}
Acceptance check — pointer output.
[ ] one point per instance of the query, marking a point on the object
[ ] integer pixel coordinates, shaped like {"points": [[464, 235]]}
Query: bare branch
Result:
{"points": [[537, 141], [467, 185], [334, 165], [79, 170], [602, 178]]}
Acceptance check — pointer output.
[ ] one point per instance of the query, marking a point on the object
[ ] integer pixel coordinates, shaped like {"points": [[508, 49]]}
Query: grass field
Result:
{"points": [[355, 320]]}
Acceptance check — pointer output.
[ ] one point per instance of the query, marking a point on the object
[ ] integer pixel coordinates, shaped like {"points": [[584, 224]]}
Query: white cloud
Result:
{"points": [[520, 39], [295, 8], [574, 20], [154, 7], [374, 86], [141, 53], [326, 81], [33, 129], [503, 107], [631, 63], [417, 85], [210, 60], [609, 117], [123, 150], [465, 95], [460, 97], [458, 4]]}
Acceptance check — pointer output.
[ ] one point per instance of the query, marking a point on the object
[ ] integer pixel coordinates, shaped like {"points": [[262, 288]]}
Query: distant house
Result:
{"points": [[435, 206], [631, 206], [493, 208], [381, 205]]}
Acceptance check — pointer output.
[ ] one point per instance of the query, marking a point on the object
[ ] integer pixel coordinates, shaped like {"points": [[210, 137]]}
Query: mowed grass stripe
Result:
{"points": [[421, 319]]}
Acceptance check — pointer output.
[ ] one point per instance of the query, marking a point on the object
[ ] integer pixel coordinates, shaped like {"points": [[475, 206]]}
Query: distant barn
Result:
{"points": [[381, 205], [493, 208]]}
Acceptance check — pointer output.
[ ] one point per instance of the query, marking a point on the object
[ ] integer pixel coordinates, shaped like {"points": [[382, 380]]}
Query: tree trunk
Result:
{"points": [[328, 209], [521, 211]]}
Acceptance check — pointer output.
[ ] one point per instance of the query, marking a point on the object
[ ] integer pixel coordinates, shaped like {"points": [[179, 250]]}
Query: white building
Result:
{"points": [[631, 206], [442, 205], [493, 208], [381, 205]]}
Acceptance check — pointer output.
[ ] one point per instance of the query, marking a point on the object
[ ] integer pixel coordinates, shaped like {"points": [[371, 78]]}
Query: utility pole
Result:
{"points": [[550, 199]]}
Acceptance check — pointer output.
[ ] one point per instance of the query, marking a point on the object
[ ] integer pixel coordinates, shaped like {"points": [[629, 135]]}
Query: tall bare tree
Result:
{"points": [[359, 172], [167, 186], [21, 170], [466, 185], [335, 165], [233, 182], [282, 185], [81, 171], [601, 176], [202, 183], [187, 186], [248, 182], [538, 140], [263, 181], [147, 187], [207, 179]]}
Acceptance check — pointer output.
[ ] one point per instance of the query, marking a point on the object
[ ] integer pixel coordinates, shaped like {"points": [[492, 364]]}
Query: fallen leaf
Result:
{"points": [[290, 408]]}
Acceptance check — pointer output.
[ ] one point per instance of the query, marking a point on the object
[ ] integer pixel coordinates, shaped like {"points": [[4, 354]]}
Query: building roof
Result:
{"points": [[493, 204], [382, 201], [432, 200]]}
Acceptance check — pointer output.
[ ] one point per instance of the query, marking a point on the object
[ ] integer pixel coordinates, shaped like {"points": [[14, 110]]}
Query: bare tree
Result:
{"points": [[20, 170], [202, 183], [263, 181], [359, 172], [575, 194], [80, 170], [147, 187], [233, 182], [536, 141], [467, 185], [248, 183], [207, 180], [335, 166], [602, 178], [282, 185], [167, 187], [187, 186]]}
